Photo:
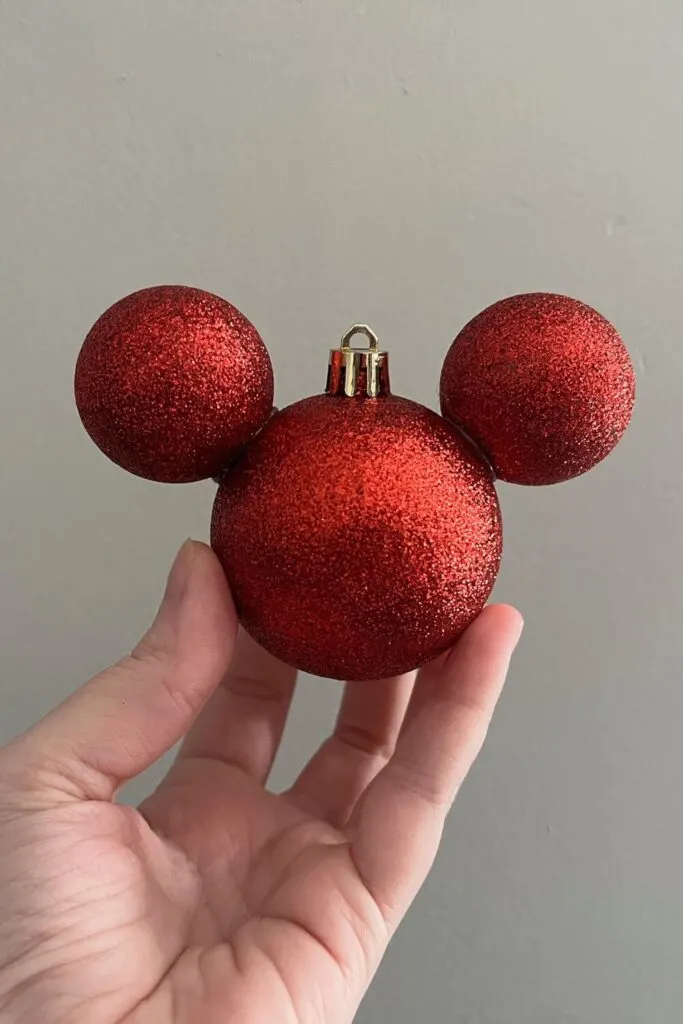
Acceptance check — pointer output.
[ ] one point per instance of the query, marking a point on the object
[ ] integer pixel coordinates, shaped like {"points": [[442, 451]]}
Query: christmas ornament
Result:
{"points": [[543, 384], [359, 531], [171, 382]]}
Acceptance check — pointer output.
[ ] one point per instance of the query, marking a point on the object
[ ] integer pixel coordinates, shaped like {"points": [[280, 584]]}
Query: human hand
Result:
{"points": [[218, 901]]}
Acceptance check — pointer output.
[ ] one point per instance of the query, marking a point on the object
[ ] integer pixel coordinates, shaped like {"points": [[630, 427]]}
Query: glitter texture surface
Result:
{"points": [[171, 382], [543, 383], [360, 536]]}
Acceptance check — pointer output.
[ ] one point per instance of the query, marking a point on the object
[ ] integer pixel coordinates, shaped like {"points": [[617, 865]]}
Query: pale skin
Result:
{"points": [[217, 900]]}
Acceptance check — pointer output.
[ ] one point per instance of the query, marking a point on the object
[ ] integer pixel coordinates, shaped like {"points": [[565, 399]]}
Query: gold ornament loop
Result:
{"points": [[373, 340], [358, 372]]}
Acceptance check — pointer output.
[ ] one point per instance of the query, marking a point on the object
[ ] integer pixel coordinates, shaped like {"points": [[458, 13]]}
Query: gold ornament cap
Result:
{"points": [[358, 372]]}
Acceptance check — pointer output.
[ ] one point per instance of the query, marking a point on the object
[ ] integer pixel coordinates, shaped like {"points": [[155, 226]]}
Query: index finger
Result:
{"points": [[243, 722]]}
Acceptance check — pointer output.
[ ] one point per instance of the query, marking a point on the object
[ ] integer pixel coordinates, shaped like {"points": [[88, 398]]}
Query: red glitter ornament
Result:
{"points": [[359, 531], [543, 383], [171, 382]]}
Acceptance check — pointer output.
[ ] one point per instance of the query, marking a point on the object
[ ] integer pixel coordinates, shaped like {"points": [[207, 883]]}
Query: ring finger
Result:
{"points": [[363, 740]]}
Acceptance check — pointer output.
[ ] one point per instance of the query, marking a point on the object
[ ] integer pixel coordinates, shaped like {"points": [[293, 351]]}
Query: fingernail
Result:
{"points": [[520, 629], [178, 578]]}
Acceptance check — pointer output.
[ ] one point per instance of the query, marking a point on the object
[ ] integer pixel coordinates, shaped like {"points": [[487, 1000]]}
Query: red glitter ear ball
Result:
{"points": [[171, 382], [543, 384], [359, 531]]}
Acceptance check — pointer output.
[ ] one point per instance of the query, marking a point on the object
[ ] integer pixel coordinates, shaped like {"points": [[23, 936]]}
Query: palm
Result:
{"points": [[198, 905], [277, 900], [219, 900]]}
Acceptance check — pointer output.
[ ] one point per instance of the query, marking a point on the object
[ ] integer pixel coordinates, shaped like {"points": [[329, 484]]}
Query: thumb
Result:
{"points": [[126, 717]]}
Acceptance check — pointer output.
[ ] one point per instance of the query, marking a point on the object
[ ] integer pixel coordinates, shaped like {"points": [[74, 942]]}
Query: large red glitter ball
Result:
{"points": [[360, 536], [171, 382], [543, 383]]}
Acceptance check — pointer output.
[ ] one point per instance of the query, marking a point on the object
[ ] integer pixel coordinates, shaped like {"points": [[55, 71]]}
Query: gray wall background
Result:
{"points": [[406, 164]]}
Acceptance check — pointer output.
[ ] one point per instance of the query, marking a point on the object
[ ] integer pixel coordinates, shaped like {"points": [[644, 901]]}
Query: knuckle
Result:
{"points": [[415, 779], [153, 667], [255, 688], [364, 740]]}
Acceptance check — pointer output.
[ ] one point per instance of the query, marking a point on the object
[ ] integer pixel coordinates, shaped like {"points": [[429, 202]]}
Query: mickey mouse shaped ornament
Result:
{"points": [[360, 532]]}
